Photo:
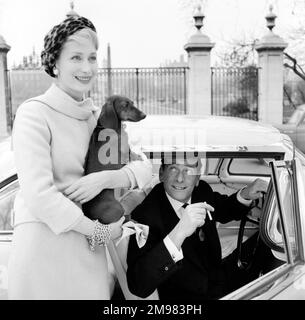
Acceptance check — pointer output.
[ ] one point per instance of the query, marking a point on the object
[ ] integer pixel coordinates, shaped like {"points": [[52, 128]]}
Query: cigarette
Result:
{"points": [[209, 214]]}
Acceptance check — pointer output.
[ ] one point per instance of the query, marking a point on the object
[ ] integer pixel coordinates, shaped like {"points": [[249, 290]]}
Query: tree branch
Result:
{"points": [[296, 68]]}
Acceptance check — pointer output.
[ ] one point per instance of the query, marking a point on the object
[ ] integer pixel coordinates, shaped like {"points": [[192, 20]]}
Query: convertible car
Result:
{"points": [[234, 152]]}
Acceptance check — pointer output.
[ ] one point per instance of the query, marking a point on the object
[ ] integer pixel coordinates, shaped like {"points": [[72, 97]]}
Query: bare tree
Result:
{"points": [[237, 53], [292, 64]]}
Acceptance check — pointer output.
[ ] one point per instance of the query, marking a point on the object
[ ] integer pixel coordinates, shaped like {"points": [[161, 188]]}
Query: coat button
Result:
{"points": [[166, 268]]}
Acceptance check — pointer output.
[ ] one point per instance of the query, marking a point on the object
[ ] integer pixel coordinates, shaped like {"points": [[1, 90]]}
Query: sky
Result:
{"points": [[141, 33]]}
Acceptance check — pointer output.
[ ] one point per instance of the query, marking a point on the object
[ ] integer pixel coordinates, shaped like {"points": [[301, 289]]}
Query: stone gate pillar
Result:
{"points": [[199, 75], [271, 74], [4, 89]]}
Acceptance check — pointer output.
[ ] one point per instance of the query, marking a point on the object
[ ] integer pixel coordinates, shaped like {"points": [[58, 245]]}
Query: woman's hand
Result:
{"points": [[87, 187], [116, 228]]}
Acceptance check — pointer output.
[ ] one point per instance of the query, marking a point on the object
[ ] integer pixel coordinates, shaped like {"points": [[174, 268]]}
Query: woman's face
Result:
{"points": [[77, 67]]}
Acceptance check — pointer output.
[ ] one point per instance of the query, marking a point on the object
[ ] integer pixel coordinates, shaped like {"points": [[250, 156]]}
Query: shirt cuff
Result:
{"points": [[172, 249], [242, 200]]}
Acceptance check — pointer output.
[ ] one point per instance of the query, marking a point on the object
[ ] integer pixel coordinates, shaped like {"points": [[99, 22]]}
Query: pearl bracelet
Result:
{"points": [[100, 236]]}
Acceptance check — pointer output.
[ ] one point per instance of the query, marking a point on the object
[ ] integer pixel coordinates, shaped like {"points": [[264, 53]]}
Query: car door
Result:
{"points": [[8, 189], [296, 289], [282, 228]]}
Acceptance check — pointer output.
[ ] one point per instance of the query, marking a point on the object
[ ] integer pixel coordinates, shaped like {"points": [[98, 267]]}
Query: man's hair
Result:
{"points": [[190, 160]]}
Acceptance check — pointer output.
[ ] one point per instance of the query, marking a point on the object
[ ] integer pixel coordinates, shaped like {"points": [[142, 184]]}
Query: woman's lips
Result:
{"points": [[83, 79]]}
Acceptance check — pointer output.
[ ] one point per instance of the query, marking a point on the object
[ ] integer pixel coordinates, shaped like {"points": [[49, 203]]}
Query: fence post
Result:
{"points": [[109, 71], [199, 49], [4, 88], [137, 84], [271, 74]]}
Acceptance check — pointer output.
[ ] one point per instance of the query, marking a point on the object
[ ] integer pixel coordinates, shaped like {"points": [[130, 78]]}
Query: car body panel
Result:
{"points": [[5, 248], [296, 289]]}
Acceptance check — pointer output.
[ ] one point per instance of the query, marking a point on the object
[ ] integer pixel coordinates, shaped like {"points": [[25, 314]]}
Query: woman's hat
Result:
{"points": [[57, 36]]}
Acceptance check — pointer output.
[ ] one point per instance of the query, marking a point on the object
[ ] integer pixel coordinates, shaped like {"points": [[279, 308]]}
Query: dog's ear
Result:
{"points": [[121, 106], [109, 118]]}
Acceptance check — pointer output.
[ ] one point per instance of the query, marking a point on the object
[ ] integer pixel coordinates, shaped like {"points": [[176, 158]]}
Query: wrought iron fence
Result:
{"points": [[9, 109], [25, 84], [235, 92], [154, 90]]}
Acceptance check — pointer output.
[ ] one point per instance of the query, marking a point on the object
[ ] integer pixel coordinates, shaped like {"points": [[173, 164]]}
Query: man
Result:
{"points": [[182, 254]]}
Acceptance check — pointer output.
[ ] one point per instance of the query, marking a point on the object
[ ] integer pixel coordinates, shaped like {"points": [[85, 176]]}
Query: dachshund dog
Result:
{"points": [[109, 150]]}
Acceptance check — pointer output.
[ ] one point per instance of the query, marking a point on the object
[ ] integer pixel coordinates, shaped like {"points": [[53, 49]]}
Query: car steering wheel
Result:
{"points": [[246, 264]]}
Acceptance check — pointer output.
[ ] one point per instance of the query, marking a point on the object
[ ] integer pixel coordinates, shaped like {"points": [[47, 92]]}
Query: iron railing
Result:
{"points": [[235, 92], [154, 90], [9, 109], [25, 84]]}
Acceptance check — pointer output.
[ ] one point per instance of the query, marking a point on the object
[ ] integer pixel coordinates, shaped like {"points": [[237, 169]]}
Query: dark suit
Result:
{"points": [[199, 274]]}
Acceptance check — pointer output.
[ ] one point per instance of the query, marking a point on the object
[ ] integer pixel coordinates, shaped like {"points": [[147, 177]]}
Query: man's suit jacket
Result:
{"points": [[198, 275]]}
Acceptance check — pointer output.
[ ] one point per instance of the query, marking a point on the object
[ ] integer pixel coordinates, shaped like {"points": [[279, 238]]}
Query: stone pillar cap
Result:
{"points": [[3, 45], [271, 41], [199, 41], [72, 12]]}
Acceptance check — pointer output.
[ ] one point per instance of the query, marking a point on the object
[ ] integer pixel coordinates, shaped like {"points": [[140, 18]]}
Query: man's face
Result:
{"points": [[179, 179]]}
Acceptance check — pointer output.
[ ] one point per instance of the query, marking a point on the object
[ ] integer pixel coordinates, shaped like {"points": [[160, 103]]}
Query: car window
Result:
{"points": [[250, 167], [7, 197]]}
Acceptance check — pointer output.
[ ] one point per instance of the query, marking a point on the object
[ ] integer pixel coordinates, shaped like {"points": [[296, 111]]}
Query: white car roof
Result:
{"points": [[206, 134]]}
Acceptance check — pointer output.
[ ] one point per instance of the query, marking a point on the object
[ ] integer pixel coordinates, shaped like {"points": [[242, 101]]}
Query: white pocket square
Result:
{"points": [[131, 227]]}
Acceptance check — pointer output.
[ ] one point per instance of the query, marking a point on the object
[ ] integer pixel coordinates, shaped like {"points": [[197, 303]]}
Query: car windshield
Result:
{"points": [[296, 117]]}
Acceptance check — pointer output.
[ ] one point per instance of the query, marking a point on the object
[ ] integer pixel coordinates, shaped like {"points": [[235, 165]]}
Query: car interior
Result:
{"points": [[226, 173]]}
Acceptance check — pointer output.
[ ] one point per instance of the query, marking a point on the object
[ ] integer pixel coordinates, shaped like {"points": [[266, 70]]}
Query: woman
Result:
{"points": [[57, 252]]}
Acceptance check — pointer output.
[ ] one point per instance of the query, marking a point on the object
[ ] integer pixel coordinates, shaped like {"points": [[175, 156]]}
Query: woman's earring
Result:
{"points": [[55, 71]]}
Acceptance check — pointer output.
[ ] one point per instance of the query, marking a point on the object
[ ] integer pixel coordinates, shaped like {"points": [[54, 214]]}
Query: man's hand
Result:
{"points": [[254, 190], [192, 218]]}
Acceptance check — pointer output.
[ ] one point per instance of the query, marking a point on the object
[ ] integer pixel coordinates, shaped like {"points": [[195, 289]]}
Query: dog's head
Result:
{"points": [[125, 109], [118, 108]]}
